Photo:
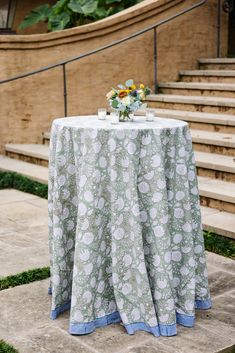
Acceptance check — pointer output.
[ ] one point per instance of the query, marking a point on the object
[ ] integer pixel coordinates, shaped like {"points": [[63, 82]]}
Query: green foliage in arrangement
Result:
{"points": [[22, 183], [6, 348], [25, 277], [71, 13], [219, 244]]}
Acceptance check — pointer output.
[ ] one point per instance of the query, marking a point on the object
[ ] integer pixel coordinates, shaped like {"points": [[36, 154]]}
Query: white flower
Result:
{"points": [[87, 238], [127, 260], [126, 100], [176, 256], [135, 314], [143, 187], [198, 249], [127, 288]]}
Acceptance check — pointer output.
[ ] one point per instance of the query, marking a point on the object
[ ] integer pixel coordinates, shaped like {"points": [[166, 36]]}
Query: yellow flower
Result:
{"points": [[133, 87], [141, 86], [124, 90]]}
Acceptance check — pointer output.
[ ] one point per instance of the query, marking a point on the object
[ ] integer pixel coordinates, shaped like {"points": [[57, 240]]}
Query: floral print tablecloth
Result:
{"points": [[125, 233]]}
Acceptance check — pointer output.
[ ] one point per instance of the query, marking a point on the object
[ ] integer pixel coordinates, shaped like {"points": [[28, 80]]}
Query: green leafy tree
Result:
{"points": [[70, 13]]}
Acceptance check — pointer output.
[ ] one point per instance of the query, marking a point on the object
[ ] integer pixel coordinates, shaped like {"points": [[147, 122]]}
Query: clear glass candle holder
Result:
{"points": [[114, 117], [102, 113], [150, 113]]}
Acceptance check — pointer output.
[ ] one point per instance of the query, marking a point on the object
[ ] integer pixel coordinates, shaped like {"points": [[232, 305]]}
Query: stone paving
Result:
{"points": [[24, 318], [23, 232]]}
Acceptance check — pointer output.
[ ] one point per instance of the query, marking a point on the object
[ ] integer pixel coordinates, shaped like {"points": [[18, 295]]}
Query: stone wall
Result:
{"points": [[28, 105]]}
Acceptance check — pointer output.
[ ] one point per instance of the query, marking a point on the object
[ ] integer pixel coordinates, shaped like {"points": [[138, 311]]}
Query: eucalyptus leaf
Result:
{"points": [[41, 13], [114, 104], [122, 108], [129, 83], [121, 87]]}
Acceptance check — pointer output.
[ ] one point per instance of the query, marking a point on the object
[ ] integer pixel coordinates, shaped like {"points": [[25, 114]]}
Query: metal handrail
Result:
{"points": [[92, 52]]}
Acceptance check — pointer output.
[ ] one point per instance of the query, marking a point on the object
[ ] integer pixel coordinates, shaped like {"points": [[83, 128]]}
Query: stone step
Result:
{"points": [[214, 142], [32, 153], [199, 120], [207, 141], [198, 89], [193, 103], [215, 166], [217, 64], [213, 192], [223, 76], [222, 166], [217, 194], [218, 222], [46, 137], [31, 171]]}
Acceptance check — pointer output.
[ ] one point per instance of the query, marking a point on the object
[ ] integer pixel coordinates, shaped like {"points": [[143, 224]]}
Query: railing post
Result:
{"points": [[218, 27], [65, 89], [155, 60]]}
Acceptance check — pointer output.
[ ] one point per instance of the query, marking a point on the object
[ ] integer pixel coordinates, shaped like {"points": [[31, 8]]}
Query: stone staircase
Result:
{"points": [[205, 98]]}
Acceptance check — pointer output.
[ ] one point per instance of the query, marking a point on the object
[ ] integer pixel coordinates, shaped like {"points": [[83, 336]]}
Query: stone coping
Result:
{"points": [[137, 13]]}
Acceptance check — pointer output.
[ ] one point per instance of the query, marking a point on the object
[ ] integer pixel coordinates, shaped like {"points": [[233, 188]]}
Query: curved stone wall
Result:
{"points": [[28, 106]]}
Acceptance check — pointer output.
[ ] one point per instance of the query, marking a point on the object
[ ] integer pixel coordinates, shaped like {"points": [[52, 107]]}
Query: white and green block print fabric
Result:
{"points": [[126, 240]]}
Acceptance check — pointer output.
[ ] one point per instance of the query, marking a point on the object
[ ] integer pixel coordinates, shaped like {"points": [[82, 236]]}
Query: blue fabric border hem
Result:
{"points": [[49, 291], [85, 328], [203, 304], [185, 320], [158, 330], [60, 310]]}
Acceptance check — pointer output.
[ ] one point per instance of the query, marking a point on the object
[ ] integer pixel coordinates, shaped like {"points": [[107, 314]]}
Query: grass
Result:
{"points": [[219, 244], [25, 277], [6, 348], [22, 183]]}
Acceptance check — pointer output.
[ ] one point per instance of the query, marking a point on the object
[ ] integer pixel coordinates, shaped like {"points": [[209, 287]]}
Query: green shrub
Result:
{"points": [[22, 183], [70, 13], [6, 348], [25, 277], [219, 244]]}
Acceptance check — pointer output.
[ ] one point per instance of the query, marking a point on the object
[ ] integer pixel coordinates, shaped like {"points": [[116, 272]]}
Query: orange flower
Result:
{"points": [[122, 94]]}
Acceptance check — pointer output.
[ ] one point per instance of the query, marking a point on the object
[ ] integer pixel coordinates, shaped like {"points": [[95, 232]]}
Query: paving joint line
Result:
{"points": [[74, 338]]}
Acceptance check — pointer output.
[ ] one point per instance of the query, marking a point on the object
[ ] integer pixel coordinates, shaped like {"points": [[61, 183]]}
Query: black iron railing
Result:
{"points": [[63, 64]]}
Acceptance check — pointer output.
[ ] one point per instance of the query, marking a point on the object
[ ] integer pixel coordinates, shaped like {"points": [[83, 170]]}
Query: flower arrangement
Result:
{"points": [[127, 98]]}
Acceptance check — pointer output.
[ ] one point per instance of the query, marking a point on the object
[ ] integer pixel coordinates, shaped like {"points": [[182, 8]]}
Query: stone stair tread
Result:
{"points": [[32, 171], [202, 100], [217, 60], [212, 118], [32, 150], [217, 189], [219, 222], [46, 135], [215, 161], [199, 85], [213, 138], [217, 72]]}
